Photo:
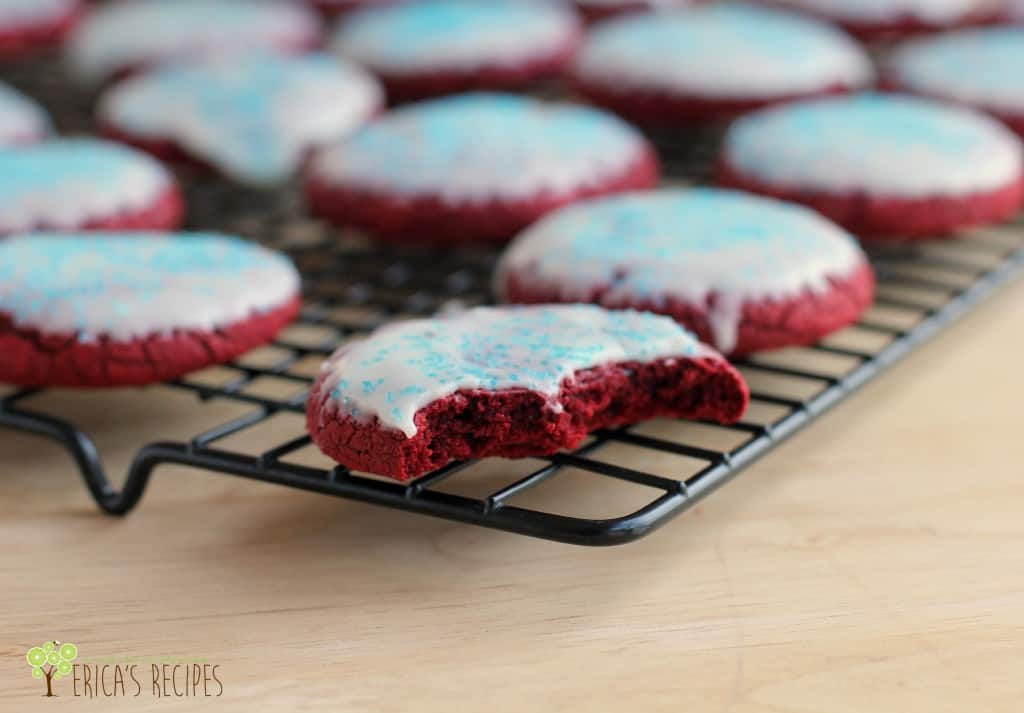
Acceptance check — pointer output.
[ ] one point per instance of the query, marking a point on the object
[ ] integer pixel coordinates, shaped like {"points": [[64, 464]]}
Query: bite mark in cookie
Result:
{"points": [[510, 382]]}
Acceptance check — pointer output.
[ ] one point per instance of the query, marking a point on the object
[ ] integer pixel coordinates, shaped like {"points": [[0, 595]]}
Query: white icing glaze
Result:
{"points": [[253, 116], [722, 50], [474, 147], [65, 183], [937, 12], [888, 145], [130, 285], [21, 119], [405, 366], [454, 34], [128, 33], [981, 67], [683, 245], [22, 13]]}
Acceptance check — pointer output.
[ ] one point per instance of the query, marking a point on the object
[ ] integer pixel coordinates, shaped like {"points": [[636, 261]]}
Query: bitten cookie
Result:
{"points": [[744, 273], [97, 309], [977, 68], [594, 10], [22, 121], [889, 19], [28, 25], [122, 36], [253, 118], [883, 166], [713, 62], [85, 184], [511, 382], [433, 47], [474, 168]]}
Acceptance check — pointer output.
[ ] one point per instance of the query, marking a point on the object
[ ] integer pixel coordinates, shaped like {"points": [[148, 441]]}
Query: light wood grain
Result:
{"points": [[873, 564]]}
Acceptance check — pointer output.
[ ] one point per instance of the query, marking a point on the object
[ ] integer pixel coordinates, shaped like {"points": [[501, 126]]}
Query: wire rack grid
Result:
{"points": [[353, 286]]}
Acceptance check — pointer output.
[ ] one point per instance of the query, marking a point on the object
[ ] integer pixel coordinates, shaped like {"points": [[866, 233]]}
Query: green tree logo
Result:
{"points": [[51, 660]]}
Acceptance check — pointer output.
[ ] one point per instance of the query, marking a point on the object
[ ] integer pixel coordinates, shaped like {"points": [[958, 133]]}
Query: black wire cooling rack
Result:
{"points": [[353, 286]]}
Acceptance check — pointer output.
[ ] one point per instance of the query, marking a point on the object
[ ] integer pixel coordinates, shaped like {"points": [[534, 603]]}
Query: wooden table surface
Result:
{"points": [[874, 563]]}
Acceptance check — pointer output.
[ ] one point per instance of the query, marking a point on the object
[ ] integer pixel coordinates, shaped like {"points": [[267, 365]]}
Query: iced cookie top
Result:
{"points": [[935, 12], [455, 34], [21, 13], [21, 119], [65, 183], [684, 245], [127, 34], [401, 368], [130, 285], [883, 144], [481, 146], [253, 116], [722, 50], [980, 67]]}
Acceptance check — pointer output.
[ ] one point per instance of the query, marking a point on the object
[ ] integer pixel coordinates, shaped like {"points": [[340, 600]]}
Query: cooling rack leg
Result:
{"points": [[138, 475], [79, 445]]}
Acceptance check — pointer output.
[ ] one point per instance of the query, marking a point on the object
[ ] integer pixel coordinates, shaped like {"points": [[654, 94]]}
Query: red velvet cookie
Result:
{"points": [[978, 68], [28, 25], [744, 273], [510, 382], [119, 37], [254, 118], [85, 184], [434, 47], [714, 62], [474, 168], [96, 309], [886, 167], [878, 20]]}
